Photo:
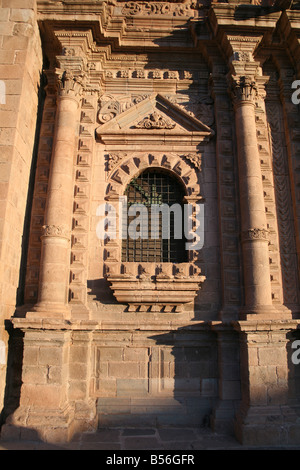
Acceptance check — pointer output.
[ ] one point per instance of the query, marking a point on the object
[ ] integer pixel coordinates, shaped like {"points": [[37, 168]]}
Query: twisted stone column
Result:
{"points": [[254, 232], [55, 255]]}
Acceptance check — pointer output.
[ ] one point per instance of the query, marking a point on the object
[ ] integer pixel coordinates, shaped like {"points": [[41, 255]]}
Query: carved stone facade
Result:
{"points": [[199, 93]]}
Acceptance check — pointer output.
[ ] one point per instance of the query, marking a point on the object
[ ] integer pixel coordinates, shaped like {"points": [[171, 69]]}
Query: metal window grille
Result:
{"points": [[156, 187]]}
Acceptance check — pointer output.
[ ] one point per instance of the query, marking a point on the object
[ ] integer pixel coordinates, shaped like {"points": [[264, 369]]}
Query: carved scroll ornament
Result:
{"points": [[155, 121]]}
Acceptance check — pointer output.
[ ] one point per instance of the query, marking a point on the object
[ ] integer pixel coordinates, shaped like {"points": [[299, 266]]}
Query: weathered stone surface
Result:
{"points": [[200, 92]]}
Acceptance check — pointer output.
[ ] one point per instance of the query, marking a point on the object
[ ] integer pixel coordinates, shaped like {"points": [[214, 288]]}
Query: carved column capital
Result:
{"points": [[71, 84], [243, 90]]}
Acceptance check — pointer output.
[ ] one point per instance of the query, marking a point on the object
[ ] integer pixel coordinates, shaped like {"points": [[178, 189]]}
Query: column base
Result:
{"points": [[222, 419], [267, 426], [49, 310], [265, 312], [53, 426]]}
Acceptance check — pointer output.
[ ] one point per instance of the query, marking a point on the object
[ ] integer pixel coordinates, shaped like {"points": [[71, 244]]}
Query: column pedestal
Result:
{"points": [[54, 400], [44, 412], [265, 416]]}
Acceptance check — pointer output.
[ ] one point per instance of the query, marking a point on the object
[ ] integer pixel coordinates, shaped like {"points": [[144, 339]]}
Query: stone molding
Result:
{"points": [[152, 287], [55, 231], [255, 234], [175, 163]]}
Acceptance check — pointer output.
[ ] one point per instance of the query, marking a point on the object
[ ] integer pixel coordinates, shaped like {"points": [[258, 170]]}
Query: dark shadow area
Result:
{"points": [[267, 7], [99, 291], [177, 385], [30, 193], [293, 358], [193, 354], [13, 372]]}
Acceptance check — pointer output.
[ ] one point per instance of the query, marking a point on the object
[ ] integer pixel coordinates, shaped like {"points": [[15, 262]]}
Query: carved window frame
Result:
{"points": [[162, 287], [150, 286]]}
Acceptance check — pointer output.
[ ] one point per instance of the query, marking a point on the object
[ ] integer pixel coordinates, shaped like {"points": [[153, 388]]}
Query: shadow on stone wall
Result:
{"points": [[178, 387], [13, 372]]}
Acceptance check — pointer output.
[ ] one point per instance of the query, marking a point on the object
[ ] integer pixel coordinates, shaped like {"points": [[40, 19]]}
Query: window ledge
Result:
{"points": [[146, 287]]}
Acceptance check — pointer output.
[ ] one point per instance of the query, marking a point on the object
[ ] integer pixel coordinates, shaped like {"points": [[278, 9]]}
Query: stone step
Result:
{"points": [[148, 412]]}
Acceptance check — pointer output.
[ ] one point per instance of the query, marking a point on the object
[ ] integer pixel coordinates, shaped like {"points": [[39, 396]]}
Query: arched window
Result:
{"points": [[155, 219]]}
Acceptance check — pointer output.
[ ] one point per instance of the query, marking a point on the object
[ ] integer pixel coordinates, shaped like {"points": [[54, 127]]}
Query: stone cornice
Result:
{"points": [[289, 27]]}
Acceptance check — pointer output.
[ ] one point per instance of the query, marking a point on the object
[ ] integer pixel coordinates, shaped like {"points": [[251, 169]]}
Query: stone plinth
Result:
{"points": [[266, 416]]}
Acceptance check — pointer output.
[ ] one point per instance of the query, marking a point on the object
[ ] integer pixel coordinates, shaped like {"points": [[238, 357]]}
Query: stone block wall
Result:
{"points": [[155, 378], [20, 68], [87, 356]]}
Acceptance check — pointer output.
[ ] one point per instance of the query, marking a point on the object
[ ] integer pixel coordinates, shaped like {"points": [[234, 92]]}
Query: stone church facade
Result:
{"points": [[108, 104]]}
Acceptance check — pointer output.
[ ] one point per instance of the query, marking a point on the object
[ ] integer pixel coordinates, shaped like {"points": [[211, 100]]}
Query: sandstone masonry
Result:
{"points": [[107, 97]]}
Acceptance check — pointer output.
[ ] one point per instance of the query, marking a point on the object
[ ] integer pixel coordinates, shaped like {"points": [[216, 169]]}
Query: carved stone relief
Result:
{"points": [[111, 106], [155, 121], [159, 8]]}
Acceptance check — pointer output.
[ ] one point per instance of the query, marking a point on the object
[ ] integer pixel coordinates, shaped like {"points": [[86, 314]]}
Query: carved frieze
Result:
{"points": [[160, 8], [255, 234], [194, 158], [200, 109], [113, 159]]}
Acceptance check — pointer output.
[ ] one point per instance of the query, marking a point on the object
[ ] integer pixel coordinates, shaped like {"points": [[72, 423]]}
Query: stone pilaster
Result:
{"points": [[55, 255], [228, 187]]}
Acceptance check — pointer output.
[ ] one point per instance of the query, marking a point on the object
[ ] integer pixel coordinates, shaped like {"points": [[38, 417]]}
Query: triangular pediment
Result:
{"points": [[154, 115]]}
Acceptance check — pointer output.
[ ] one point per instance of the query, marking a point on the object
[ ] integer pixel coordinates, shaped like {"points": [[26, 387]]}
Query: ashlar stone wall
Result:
{"points": [[20, 68]]}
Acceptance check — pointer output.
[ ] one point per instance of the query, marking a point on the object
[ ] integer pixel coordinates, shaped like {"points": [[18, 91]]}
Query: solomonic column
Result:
{"points": [[55, 254], [254, 230]]}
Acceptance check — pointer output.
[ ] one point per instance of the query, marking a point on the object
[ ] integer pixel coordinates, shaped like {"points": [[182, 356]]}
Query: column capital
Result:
{"points": [[65, 82], [243, 89], [71, 84]]}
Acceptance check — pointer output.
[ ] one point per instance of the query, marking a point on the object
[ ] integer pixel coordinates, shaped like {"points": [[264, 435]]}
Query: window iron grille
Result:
{"points": [[155, 188]]}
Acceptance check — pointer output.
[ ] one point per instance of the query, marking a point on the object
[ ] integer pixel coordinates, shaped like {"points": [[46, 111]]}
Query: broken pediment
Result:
{"points": [[154, 115]]}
